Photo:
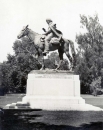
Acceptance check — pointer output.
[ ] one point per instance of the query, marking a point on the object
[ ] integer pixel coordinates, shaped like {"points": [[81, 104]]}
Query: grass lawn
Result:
{"points": [[51, 120], [94, 100], [10, 98]]}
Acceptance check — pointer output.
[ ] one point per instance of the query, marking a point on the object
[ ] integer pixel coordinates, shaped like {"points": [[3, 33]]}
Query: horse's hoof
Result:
{"points": [[42, 69], [56, 70]]}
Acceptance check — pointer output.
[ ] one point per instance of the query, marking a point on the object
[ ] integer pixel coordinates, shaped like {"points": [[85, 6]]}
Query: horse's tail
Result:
{"points": [[73, 52], [72, 47]]}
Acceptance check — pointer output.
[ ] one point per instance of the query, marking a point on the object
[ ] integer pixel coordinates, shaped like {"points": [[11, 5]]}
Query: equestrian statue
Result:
{"points": [[51, 40]]}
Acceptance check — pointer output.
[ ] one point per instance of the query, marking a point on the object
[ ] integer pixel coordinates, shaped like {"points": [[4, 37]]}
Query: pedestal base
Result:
{"points": [[54, 103], [55, 91]]}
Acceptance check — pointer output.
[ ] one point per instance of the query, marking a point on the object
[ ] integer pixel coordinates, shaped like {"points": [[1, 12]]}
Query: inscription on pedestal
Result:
{"points": [[52, 74]]}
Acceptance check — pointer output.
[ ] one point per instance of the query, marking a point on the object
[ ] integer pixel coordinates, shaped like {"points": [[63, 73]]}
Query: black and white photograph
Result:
{"points": [[51, 65]]}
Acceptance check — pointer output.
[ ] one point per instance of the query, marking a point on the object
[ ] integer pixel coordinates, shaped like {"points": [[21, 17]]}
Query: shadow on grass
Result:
{"points": [[28, 120]]}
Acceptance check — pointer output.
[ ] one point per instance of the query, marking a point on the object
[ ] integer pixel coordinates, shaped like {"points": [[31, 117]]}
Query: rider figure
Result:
{"points": [[51, 33]]}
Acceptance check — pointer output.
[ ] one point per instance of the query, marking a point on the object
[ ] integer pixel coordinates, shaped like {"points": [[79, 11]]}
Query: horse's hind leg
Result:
{"points": [[70, 59]]}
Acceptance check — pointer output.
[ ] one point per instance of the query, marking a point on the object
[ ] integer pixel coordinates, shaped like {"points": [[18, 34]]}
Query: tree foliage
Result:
{"points": [[14, 71], [90, 51]]}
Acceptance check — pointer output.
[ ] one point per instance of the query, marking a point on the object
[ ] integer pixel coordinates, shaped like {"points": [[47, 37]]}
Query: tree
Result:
{"points": [[90, 51], [4, 78], [14, 71]]}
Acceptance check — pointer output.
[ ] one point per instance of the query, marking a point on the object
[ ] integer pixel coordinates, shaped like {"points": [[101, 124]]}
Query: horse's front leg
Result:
{"points": [[42, 62], [41, 59], [60, 62], [61, 59]]}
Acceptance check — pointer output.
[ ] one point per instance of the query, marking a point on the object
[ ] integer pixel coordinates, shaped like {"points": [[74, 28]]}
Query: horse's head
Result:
{"points": [[23, 32]]}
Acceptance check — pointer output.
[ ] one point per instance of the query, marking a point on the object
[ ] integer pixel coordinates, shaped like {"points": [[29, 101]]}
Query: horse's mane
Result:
{"points": [[33, 31]]}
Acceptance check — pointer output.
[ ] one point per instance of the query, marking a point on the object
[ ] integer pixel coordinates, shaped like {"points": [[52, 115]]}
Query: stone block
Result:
{"points": [[53, 91]]}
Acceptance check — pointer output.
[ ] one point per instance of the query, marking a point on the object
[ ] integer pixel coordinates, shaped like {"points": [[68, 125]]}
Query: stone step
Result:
{"points": [[13, 103], [23, 107], [18, 105], [22, 104], [12, 107]]}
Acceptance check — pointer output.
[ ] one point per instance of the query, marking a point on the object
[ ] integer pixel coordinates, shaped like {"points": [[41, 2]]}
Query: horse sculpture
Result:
{"points": [[39, 43]]}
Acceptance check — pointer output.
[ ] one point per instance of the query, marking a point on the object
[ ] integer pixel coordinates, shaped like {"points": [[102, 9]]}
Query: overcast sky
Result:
{"points": [[14, 14]]}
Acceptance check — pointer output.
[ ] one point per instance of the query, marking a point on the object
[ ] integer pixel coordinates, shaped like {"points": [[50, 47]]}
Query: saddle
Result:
{"points": [[54, 40]]}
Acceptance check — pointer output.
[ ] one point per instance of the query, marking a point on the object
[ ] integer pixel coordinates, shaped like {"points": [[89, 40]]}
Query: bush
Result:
{"points": [[95, 87]]}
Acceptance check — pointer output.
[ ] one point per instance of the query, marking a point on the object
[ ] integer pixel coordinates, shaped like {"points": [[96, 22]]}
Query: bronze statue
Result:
{"points": [[57, 42]]}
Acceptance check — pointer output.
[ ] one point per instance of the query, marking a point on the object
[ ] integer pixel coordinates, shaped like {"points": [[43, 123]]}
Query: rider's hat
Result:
{"points": [[48, 20]]}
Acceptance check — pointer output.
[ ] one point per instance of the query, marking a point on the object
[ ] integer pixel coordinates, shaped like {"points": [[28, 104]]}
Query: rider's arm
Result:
{"points": [[46, 33], [44, 29], [58, 35]]}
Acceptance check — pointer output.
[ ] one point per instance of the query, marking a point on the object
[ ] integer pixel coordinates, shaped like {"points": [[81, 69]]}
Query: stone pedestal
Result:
{"points": [[53, 91]]}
